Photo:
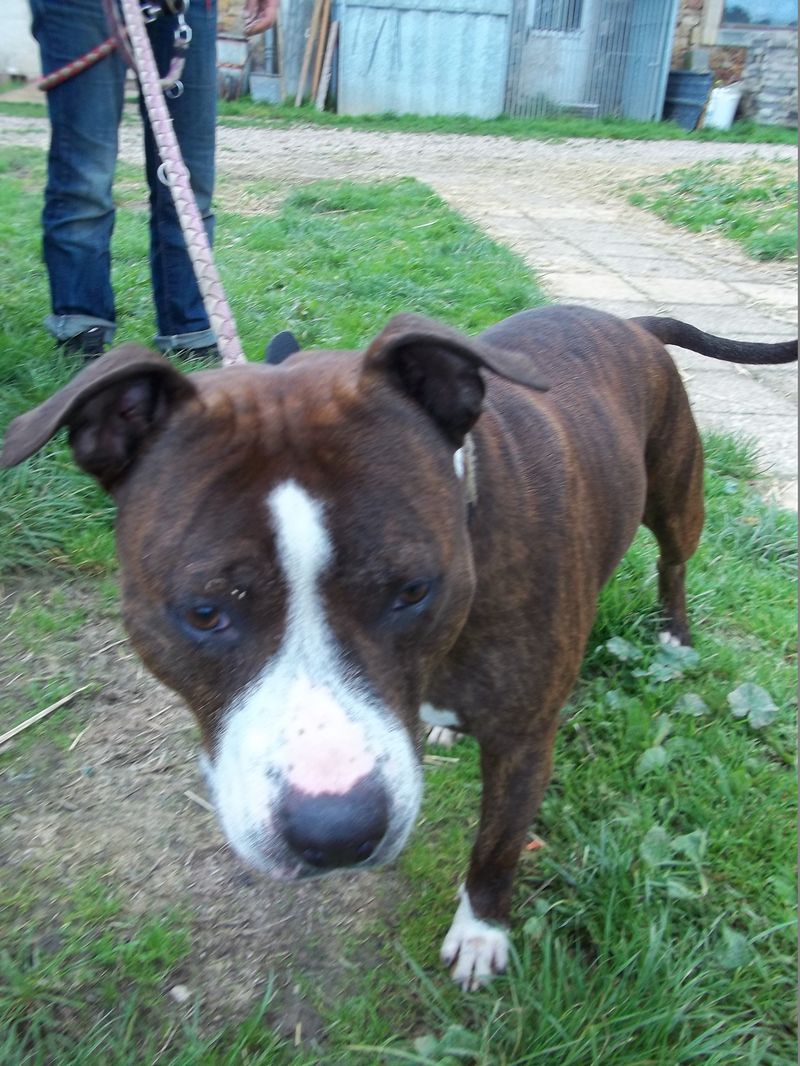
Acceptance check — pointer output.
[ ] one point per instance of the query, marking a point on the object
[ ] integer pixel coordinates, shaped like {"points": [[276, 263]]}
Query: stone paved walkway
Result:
{"points": [[628, 263]]}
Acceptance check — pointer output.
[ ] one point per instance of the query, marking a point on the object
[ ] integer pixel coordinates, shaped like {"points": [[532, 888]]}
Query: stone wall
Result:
{"points": [[765, 60], [770, 77], [229, 16], [687, 32]]}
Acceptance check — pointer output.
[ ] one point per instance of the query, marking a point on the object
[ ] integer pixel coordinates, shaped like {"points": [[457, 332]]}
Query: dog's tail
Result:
{"points": [[673, 331]]}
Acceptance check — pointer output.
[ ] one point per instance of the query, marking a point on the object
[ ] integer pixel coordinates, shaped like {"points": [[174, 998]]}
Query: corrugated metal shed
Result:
{"points": [[425, 57]]}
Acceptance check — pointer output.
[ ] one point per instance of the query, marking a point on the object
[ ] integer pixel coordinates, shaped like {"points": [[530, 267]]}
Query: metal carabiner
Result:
{"points": [[151, 9], [183, 33]]}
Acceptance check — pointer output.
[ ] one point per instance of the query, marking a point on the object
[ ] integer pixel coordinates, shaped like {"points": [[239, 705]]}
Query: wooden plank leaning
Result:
{"points": [[324, 24], [327, 68], [312, 35]]}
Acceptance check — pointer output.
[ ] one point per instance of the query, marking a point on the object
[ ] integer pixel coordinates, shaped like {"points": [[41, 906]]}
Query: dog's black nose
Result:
{"points": [[331, 830]]}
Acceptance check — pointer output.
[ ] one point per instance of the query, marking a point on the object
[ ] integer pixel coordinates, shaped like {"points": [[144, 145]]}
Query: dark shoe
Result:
{"points": [[90, 343]]}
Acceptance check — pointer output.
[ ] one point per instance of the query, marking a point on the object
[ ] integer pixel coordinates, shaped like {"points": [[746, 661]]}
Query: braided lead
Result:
{"points": [[177, 177]]}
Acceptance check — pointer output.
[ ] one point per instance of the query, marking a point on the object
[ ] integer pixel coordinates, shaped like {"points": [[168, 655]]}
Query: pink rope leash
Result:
{"points": [[174, 173], [117, 39], [77, 65]]}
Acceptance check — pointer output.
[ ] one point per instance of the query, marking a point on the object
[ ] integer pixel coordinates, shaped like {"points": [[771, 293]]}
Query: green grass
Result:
{"points": [[552, 127], [83, 982], [754, 203], [654, 927]]}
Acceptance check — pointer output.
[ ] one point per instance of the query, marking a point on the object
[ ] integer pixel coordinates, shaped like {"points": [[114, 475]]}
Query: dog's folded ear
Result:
{"points": [[281, 346], [110, 409], [440, 369]]}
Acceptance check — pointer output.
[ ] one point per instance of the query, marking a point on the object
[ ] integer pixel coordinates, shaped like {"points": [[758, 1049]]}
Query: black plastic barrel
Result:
{"points": [[687, 95]]}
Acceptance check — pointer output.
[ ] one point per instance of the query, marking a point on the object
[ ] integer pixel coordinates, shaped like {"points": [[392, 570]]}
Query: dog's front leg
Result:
{"points": [[514, 780]]}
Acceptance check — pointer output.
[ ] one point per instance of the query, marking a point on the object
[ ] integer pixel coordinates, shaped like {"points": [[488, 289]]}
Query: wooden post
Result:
{"points": [[312, 33], [279, 57], [323, 33], [327, 67]]}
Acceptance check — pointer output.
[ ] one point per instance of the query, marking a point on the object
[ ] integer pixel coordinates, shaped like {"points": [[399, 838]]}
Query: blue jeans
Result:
{"points": [[78, 216]]}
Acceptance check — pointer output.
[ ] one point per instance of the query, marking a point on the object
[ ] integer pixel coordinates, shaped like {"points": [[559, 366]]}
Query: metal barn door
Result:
{"points": [[590, 57]]}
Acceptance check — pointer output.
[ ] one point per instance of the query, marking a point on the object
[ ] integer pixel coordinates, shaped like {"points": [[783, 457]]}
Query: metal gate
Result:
{"points": [[590, 57]]}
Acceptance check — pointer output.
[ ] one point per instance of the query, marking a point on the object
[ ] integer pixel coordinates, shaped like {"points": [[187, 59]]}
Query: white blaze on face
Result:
{"points": [[304, 722], [328, 753]]}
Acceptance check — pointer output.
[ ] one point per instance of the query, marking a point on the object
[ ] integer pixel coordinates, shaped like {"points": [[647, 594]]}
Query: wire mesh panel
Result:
{"points": [[590, 57]]}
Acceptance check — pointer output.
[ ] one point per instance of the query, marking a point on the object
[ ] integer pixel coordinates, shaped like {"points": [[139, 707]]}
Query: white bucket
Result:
{"points": [[722, 106]]}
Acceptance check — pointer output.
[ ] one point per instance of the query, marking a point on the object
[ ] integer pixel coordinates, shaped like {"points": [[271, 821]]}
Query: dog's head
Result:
{"points": [[295, 561]]}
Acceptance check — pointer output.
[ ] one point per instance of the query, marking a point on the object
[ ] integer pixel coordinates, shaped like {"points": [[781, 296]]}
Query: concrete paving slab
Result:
{"points": [[768, 295], [566, 260], [656, 267], [740, 393], [621, 308], [782, 380], [513, 224], [629, 249], [589, 286], [685, 290], [567, 213], [763, 274]]}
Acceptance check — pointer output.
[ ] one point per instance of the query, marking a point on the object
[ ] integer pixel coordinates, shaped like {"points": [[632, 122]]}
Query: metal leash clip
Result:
{"points": [[151, 9], [183, 33], [171, 83]]}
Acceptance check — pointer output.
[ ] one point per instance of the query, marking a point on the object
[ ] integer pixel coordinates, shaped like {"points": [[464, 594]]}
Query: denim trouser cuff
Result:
{"points": [[65, 327], [203, 338]]}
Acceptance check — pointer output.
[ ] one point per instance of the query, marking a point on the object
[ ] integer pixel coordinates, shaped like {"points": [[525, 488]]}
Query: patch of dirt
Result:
{"points": [[120, 802]]}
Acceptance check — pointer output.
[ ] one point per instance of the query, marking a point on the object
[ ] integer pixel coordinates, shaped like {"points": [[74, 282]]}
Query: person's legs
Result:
{"points": [[78, 216], [181, 317]]}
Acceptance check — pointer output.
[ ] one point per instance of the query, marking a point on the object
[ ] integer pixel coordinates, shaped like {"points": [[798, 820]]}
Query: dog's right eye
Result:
{"points": [[411, 595], [205, 618], [410, 603]]}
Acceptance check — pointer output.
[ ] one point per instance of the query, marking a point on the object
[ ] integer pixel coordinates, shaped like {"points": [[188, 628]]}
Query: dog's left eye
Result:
{"points": [[413, 594], [205, 618]]}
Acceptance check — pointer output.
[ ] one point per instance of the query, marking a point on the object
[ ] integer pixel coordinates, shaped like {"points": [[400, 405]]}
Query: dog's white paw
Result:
{"points": [[476, 950], [669, 640], [442, 725], [444, 737]]}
